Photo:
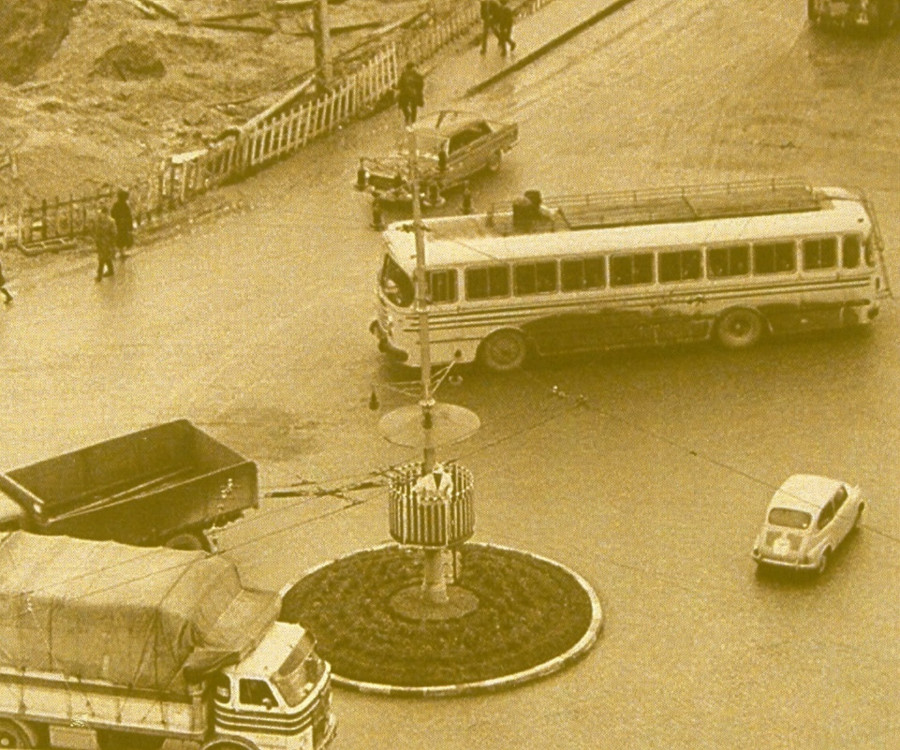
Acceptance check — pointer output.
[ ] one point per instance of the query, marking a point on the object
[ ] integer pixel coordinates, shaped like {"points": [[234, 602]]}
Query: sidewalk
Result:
{"points": [[450, 77]]}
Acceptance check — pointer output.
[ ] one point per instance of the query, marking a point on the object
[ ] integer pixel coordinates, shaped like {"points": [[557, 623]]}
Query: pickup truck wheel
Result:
{"points": [[494, 161], [13, 734], [188, 541]]}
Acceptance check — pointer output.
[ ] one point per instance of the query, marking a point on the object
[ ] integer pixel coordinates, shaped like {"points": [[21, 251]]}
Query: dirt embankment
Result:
{"points": [[96, 92]]}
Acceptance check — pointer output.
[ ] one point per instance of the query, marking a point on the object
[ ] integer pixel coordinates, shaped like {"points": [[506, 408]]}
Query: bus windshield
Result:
{"points": [[395, 284]]}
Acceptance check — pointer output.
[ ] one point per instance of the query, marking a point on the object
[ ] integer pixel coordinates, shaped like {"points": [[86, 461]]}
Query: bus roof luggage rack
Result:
{"points": [[685, 203]]}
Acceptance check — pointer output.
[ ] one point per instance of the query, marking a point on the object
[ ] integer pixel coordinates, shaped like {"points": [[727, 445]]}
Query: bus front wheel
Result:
{"points": [[503, 351], [739, 329]]}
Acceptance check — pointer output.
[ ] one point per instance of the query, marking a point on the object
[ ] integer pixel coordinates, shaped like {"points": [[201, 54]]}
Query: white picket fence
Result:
{"points": [[249, 147]]}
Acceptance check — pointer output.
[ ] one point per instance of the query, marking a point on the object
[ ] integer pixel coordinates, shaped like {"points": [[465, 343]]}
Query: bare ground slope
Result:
{"points": [[96, 92]]}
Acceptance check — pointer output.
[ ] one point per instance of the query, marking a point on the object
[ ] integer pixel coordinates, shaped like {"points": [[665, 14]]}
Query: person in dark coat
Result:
{"points": [[411, 96], [488, 11], [105, 240], [503, 26], [121, 214], [3, 288]]}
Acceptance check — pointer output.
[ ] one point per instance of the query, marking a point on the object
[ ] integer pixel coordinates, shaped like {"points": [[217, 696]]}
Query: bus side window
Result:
{"points": [[774, 257], [534, 278], [442, 286], [820, 253], [631, 269], [678, 266], [728, 261], [851, 251], [584, 273], [482, 283]]}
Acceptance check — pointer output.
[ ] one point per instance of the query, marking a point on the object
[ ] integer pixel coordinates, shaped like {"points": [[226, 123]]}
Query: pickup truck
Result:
{"points": [[164, 485], [451, 146]]}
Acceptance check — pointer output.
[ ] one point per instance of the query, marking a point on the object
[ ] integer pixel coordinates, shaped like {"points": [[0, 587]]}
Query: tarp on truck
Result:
{"points": [[130, 615]]}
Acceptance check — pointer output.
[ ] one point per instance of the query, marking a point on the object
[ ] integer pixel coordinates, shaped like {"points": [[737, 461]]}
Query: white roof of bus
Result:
{"points": [[466, 239]]}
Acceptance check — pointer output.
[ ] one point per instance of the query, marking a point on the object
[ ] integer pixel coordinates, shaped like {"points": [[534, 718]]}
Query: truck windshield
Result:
{"points": [[395, 284], [300, 673]]}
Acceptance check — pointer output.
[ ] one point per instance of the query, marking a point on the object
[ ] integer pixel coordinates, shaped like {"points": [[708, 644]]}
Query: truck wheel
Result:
{"points": [[503, 351], [494, 161], [188, 541], [225, 743], [14, 734], [129, 740], [739, 329]]}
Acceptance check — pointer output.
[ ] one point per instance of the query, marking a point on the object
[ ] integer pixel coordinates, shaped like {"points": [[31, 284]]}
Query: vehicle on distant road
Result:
{"points": [[452, 146], [877, 15], [733, 263], [807, 519]]}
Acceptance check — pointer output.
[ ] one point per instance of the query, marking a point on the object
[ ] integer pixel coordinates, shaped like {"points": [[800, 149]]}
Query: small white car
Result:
{"points": [[807, 518]]}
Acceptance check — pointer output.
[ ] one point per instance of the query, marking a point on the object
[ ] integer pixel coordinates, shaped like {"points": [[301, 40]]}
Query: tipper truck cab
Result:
{"points": [[107, 646], [163, 485]]}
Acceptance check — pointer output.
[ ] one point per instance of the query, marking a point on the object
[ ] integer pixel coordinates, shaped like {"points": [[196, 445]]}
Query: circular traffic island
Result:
{"points": [[510, 617]]}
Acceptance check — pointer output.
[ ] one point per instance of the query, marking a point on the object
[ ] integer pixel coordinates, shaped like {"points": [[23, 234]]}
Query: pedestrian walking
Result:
{"points": [[121, 214], [8, 297], [503, 26], [411, 96], [105, 240], [488, 12]]}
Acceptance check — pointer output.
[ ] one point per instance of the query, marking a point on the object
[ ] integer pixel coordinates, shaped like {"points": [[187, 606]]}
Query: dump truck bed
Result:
{"points": [[140, 488]]}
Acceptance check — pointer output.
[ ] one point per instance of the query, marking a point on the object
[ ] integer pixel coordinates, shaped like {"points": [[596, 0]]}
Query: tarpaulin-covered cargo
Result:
{"points": [[130, 615]]}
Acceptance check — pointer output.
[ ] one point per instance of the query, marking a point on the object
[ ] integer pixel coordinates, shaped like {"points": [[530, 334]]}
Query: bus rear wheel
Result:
{"points": [[503, 351], [739, 329]]}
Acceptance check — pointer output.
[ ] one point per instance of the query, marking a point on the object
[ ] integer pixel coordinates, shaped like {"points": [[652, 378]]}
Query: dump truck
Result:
{"points": [[107, 646], [165, 485]]}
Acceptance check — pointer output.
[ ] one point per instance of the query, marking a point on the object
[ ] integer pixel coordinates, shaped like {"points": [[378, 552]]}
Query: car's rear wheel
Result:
{"points": [[857, 518]]}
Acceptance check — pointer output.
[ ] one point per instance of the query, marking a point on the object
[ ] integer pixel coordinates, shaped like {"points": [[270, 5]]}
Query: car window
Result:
{"points": [[793, 519], [839, 498], [826, 515]]}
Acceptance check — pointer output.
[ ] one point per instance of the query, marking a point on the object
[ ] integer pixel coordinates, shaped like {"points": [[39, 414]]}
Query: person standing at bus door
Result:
{"points": [[503, 26], [488, 12], [6, 294], [121, 214], [105, 240], [411, 88]]}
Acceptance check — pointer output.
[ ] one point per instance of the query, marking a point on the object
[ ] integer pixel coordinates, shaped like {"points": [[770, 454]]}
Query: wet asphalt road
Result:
{"points": [[648, 475]]}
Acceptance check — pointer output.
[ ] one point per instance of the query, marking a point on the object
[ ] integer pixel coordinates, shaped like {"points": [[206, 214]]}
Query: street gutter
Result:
{"points": [[552, 44]]}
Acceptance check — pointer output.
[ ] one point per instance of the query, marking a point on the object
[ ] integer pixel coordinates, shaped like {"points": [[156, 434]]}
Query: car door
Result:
{"points": [[843, 514], [825, 528]]}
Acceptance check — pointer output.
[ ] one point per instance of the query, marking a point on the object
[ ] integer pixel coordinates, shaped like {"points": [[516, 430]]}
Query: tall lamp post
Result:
{"points": [[430, 504]]}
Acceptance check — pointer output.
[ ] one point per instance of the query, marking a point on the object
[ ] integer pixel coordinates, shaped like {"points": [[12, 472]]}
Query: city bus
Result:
{"points": [[731, 262]]}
